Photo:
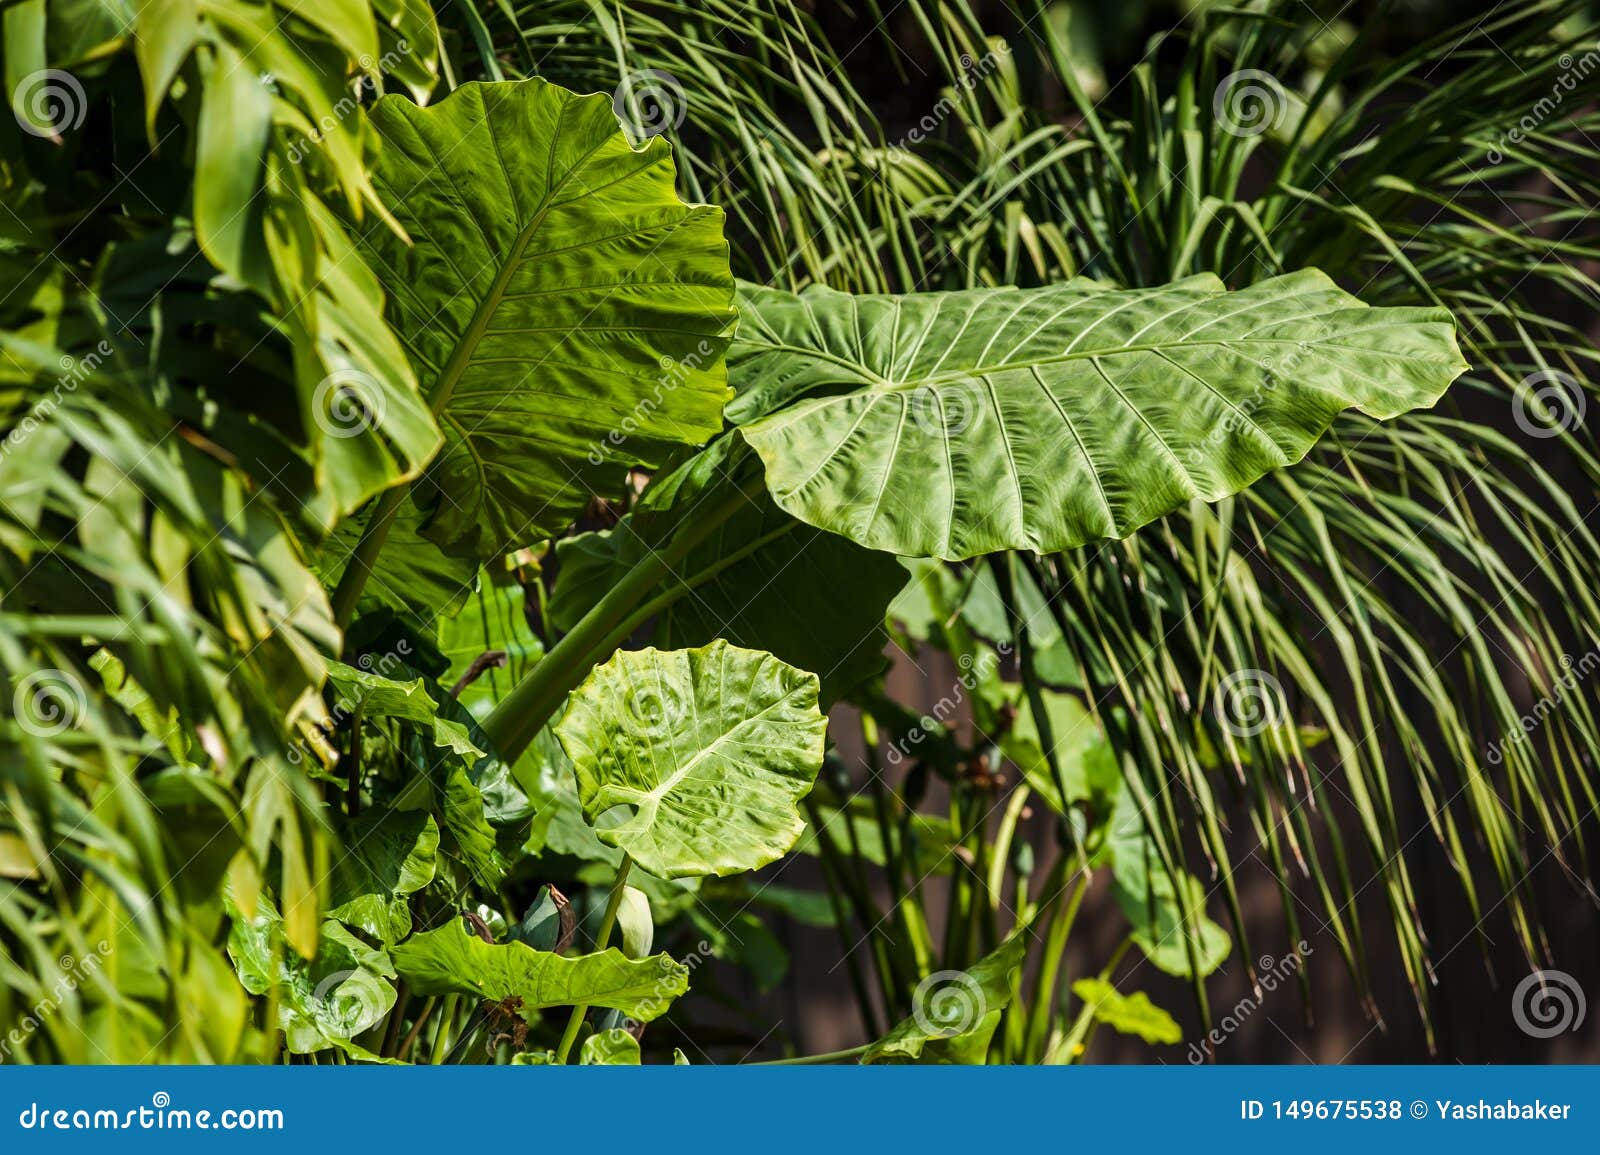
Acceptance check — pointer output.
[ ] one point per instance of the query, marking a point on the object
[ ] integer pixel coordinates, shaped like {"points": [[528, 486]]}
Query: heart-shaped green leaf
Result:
{"points": [[956, 424], [711, 747], [566, 313]]}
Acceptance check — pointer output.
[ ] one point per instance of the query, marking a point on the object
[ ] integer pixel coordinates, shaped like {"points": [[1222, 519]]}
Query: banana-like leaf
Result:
{"points": [[452, 960], [711, 748], [566, 313], [956, 424]]}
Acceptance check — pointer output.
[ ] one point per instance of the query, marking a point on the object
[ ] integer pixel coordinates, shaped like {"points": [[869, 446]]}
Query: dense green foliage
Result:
{"points": [[432, 583]]}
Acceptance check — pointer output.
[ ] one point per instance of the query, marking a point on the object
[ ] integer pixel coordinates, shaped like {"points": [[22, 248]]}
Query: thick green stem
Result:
{"points": [[511, 726], [354, 579], [607, 921]]}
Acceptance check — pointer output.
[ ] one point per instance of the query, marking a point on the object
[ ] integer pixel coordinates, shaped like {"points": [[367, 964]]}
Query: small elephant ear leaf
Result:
{"points": [[711, 748]]}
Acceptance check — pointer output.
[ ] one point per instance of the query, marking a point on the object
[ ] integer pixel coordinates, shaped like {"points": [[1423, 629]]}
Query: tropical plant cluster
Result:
{"points": [[466, 471]]}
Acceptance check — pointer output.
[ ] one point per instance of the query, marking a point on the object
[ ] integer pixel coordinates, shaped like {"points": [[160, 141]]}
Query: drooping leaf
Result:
{"points": [[711, 748], [954, 1013], [1131, 1014], [956, 424], [1150, 898], [452, 960], [389, 856], [566, 313]]}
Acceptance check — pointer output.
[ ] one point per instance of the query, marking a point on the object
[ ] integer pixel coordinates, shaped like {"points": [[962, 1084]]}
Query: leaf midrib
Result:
{"points": [[478, 327]]}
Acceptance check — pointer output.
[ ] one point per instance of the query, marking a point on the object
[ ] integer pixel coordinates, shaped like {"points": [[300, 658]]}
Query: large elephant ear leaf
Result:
{"points": [[957, 424], [566, 313], [711, 748]]}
